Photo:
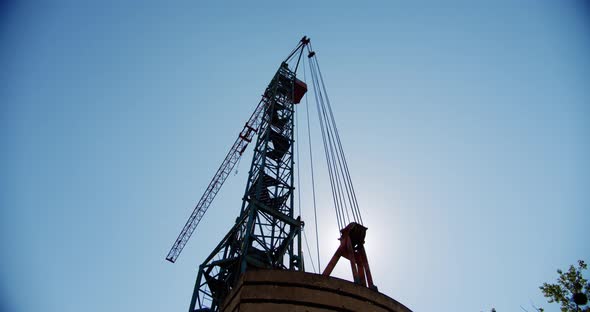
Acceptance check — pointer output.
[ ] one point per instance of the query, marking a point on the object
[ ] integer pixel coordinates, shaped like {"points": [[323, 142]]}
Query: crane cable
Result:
{"points": [[299, 188], [337, 201], [349, 184], [315, 211], [342, 159], [343, 194]]}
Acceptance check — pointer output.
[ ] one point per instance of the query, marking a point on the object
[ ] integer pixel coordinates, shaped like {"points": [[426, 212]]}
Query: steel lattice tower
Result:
{"points": [[266, 234]]}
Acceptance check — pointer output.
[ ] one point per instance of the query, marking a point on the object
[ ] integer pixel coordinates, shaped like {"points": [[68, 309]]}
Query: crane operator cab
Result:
{"points": [[288, 85]]}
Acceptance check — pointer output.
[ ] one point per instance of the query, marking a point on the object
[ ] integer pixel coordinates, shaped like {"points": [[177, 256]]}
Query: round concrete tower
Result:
{"points": [[279, 290]]}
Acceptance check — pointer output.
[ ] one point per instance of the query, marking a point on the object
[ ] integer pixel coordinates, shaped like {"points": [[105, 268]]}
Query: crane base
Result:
{"points": [[280, 290]]}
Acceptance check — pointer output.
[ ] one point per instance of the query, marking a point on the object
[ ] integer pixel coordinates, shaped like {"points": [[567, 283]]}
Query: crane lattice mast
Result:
{"points": [[266, 234], [229, 162]]}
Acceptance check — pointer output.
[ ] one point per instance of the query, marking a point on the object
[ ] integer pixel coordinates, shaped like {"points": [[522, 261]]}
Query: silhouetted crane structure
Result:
{"points": [[267, 234]]}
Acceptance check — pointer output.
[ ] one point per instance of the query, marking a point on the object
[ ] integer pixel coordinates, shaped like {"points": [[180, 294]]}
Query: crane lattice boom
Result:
{"points": [[221, 175]]}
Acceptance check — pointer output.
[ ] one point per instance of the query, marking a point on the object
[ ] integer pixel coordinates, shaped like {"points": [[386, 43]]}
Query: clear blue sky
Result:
{"points": [[465, 124]]}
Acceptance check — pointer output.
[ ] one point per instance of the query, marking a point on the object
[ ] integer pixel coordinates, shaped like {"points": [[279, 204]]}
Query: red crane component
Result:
{"points": [[352, 247], [299, 91]]}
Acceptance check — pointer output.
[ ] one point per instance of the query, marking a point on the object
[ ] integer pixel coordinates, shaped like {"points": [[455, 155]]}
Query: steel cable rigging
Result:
{"points": [[343, 194], [315, 211], [348, 214]]}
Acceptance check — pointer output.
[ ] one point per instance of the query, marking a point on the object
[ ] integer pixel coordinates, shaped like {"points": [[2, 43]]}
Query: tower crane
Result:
{"points": [[267, 234]]}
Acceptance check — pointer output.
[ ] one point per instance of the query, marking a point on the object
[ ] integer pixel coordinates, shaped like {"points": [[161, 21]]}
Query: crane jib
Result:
{"points": [[222, 173]]}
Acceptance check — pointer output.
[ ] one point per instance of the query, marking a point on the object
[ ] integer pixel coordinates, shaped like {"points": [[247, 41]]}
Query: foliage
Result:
{"points": [[570, 284]]}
